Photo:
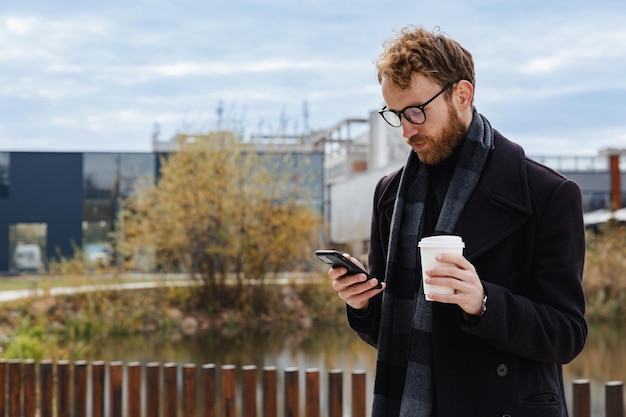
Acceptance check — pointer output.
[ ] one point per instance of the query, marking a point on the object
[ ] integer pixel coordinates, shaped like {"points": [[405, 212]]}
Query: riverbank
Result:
{"points": [[62, 325]]}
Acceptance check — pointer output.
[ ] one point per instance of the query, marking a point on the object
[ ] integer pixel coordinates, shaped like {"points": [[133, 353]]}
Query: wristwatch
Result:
{"points": [[484, 306]]}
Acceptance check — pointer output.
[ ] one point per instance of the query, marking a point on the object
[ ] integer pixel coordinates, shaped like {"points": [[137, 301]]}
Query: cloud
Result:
{"points": [[88, 75]]}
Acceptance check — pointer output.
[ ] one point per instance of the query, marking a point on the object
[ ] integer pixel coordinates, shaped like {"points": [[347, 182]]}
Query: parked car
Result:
{"points": [[27, 257], [98, 253]]}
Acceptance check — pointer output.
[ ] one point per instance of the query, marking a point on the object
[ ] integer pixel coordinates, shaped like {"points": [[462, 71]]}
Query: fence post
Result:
{"points": [[46, 388], [15, 380], [115, 388], [80, 389], [153, 385], [359, 393], [133, 388], [170, 390], [208, 390], [64, 404], [292, 388], [229, 391], [97, 388], [581, 398], [248, 391], [30, 383], [312, 393], [614, 399], [270, 391], [3, 386], [335, 393], [189, 390]]}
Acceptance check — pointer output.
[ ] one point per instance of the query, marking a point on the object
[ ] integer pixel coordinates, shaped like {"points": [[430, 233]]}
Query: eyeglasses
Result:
{"points": [[413, 114]]}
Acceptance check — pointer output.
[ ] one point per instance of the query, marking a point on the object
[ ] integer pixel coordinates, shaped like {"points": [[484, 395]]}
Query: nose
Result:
{"points": [[408, 129]]}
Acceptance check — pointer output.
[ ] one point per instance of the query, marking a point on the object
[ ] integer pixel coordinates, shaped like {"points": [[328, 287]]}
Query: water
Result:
{"points": [[603, 359]]}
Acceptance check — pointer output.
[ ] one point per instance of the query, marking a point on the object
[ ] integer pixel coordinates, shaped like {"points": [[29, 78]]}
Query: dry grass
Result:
{"points": [[605, 273]]}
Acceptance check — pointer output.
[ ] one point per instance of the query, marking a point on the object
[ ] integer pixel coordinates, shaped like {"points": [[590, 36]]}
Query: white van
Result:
{"points": [[27, 257]]}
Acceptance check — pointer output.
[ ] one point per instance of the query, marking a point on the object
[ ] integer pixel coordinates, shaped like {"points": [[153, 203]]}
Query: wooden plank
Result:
{"points": [[46, 388], [153, 389], [97, 388], [64, 389], [292, 392], [229, 391], [248, 391], [80, 389], [170, 390], [335, 393], [30, 388], [133, 388], [359, 393], [116, 375], [189, 398], [312, 393], [270, 391], [208, 393], [614, 399]]}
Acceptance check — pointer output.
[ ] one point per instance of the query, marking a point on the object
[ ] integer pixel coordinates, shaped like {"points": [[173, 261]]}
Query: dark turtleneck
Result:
{"points": [[439, 180]]}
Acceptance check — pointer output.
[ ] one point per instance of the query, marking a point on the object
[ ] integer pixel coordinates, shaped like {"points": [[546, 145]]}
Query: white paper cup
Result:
{"points": [[429, 248]]}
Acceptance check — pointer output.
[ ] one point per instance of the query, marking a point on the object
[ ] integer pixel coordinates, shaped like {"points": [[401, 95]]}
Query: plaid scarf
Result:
{"points": [[404, 368]]}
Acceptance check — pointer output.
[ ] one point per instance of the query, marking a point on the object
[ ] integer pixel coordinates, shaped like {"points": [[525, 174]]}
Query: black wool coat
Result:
{"points": [[523, 232]]}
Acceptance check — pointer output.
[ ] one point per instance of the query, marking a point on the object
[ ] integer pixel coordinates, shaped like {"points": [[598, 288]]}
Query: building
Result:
{"points": [[52, 202]]}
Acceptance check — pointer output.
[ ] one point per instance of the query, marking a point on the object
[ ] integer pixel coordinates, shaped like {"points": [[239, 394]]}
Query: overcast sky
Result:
{"points": [[99, 76]]}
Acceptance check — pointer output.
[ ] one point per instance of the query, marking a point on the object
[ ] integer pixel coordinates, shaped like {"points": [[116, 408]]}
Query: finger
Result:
{"points": [[455, 259], [358, 293], [345, 281], [335, 273]]}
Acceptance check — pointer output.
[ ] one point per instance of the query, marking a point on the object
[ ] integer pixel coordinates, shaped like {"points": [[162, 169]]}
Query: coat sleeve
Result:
{"points": [[546, 321]]}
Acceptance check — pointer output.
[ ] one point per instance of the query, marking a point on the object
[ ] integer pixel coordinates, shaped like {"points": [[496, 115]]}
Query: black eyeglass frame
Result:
{"points": [[421, 107]]}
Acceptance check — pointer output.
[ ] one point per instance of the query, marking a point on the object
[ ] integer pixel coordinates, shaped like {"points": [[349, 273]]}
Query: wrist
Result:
{"points": [[481, 310]]}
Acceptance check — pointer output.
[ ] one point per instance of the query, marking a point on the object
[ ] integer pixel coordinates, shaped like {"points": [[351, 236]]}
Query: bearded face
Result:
{"points": [[435, 148]]}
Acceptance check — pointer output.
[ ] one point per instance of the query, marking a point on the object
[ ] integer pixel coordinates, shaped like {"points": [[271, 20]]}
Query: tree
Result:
{"points": [[221, 211]]}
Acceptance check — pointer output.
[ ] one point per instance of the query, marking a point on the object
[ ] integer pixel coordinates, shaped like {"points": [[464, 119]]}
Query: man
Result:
{"points": [[494, 347]]}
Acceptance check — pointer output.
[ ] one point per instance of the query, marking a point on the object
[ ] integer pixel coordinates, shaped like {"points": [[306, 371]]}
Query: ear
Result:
{"points": [[464, 94]]}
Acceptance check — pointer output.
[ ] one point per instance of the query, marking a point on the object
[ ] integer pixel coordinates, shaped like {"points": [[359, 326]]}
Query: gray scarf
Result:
{"points": [[404, 385]]}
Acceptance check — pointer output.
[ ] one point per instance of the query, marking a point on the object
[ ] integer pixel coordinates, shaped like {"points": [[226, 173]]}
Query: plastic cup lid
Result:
{"points": [[442, 241]]}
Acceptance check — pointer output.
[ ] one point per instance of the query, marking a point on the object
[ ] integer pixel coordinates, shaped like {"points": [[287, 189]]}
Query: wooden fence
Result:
{"points": [[98, 389]]}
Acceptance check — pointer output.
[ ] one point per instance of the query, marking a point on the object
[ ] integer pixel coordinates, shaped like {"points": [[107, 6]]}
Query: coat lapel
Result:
{"points": [[500, 201]]}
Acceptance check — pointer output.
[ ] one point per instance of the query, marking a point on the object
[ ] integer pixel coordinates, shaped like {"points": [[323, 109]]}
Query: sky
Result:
{"points": [[108, 76]]}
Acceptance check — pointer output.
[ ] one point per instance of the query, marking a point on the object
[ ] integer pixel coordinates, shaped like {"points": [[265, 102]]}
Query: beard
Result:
{"points": [[441, 145]]}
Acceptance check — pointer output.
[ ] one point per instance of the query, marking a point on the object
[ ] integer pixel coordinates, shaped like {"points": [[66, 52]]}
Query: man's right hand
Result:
{"points": [[356, 290]]}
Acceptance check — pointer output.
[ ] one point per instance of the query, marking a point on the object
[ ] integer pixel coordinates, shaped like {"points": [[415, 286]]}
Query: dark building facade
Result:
{"points": [[51, 202]]}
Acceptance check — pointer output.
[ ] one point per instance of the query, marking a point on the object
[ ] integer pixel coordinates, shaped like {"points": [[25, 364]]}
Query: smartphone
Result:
{"points": [[337, 259]]}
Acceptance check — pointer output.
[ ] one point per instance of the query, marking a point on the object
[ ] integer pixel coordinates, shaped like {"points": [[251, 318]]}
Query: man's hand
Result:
{"points": [[356, 290], [462, 277]]}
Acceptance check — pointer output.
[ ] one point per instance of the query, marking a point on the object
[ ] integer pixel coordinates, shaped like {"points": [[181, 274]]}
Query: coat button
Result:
{"points": [[502, 370]]}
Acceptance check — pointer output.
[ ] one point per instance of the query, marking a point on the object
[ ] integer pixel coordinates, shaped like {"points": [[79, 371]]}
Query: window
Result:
{"points": [[109, 176]]}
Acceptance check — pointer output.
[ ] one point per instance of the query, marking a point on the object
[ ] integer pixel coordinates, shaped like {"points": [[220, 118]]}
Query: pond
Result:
{"points": [[603, 359]]}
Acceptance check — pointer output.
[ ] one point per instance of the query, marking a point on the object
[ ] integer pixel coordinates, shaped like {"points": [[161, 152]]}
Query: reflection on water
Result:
{"points": [[603, 359], [324, 349]]}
